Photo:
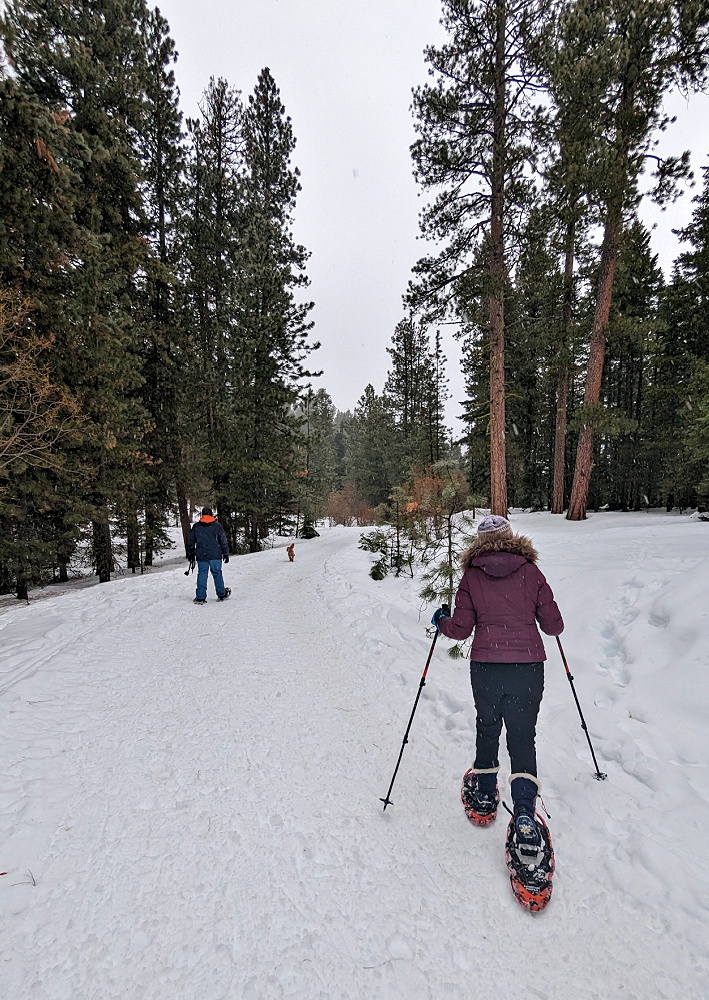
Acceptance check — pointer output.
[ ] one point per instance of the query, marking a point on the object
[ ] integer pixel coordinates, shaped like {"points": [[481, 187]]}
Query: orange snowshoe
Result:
{"points": [[530, 864], [480, 807]]}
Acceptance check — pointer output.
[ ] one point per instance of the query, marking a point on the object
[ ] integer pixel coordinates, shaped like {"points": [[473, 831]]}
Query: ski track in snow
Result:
{"points": [[195, 790]]}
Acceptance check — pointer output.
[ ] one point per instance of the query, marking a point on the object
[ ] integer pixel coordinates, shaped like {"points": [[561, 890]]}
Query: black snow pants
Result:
{"points": [[509, 693]]}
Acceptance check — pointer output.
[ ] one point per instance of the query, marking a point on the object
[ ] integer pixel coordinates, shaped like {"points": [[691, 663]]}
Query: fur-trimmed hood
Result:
{"points": [[516, 545], [501, 597]]}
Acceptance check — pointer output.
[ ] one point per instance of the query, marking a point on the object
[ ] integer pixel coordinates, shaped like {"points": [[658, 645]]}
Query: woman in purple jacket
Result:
{"points": [[502, 596]]}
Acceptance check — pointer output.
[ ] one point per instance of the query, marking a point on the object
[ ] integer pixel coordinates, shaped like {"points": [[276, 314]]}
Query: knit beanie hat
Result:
{"points": [[207, 512], [494, 526]]}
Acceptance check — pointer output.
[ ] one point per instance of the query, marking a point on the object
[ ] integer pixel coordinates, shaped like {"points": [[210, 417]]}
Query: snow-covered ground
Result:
{"points": [[82, 575], [190, 795]]}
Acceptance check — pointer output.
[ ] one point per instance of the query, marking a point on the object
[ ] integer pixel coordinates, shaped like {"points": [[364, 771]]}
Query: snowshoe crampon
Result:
{"points": [[480, 807], [530, 869]]}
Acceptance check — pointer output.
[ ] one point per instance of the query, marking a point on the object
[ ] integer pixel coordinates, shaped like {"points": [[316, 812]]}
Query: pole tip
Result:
{"points": [[387, 802], [600, 776]]}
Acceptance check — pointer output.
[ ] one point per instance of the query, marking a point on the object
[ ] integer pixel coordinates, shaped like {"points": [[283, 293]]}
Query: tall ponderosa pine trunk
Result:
{"points": [[639, 51], [476, 125], [594, 373]]}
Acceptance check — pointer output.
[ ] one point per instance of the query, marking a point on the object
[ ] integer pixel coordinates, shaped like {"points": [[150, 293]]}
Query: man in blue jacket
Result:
{"points": [[208, 545]]}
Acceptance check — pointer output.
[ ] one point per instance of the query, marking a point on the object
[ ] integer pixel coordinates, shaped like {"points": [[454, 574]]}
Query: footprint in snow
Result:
{"points": [[399, 949]]}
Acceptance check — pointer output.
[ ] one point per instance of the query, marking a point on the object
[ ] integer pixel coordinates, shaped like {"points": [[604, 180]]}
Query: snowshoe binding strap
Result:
{"points": [[528, 840]]}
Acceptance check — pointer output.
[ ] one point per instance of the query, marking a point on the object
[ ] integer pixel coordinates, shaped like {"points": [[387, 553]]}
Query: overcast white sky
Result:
{"points": [[345, 70]]}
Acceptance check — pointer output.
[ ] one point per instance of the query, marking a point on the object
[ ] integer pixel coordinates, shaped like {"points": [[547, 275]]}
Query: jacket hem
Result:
{"points": [[504, 656]]}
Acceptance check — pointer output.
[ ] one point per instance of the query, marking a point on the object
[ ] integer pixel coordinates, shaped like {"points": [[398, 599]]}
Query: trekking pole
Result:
{"points": [[599, 775], [387, 801]]}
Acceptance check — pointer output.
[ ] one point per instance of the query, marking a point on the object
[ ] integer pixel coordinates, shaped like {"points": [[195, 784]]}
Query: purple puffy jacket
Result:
{"points": [[502, 596]]}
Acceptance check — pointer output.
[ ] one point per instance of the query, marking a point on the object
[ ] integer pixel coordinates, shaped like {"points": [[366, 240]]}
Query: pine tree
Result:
{"points": [[245, 273], [475, 125], [620, 459], [211, 247], [698, 439], [682, 395], [416, 390], [373, 458], [692, 277], [273, 322], [535, 315], [166, 347], [342, 426], [317, 413], [569, 181], [39, 238], [435, 398], [86, 65], [475, 365], [38, 417], [617, 58]]}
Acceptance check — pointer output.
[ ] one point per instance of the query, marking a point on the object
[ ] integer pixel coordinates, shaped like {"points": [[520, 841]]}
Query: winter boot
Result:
{"points": [[480, 796], [200, 600], [225, 595], [527, 835], [529, 851]]}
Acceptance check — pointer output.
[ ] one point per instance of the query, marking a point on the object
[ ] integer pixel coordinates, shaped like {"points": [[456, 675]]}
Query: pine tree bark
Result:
{"points": [[498, 465], [103, 556], [133, 544], [254, 543], [584, 452]]}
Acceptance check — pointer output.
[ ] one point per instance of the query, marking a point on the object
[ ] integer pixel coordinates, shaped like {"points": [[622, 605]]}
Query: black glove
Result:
{"points": [[442, 612], [226, 558]]}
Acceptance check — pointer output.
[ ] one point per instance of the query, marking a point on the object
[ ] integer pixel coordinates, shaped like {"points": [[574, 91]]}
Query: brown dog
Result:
{"points": [[291, 551]]}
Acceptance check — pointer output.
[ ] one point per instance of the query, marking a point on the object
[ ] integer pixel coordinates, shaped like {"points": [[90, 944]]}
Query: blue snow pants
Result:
{"points": [[203, 569]]}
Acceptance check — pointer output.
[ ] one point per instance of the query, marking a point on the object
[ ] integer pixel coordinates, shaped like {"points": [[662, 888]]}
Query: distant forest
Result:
{"points": [[156, 346]]}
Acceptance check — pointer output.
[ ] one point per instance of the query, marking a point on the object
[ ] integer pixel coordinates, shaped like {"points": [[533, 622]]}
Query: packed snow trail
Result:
{"points": [[195, 790]]}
